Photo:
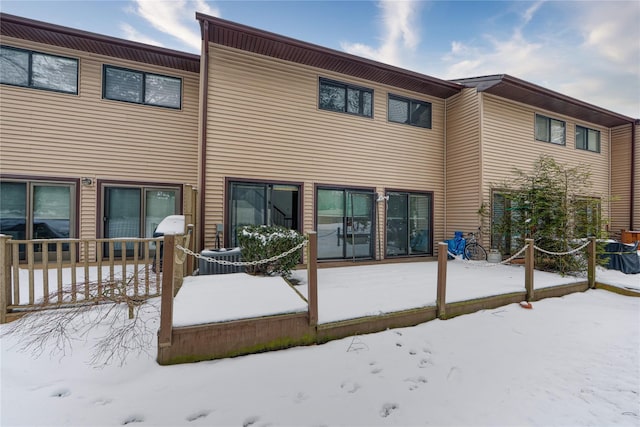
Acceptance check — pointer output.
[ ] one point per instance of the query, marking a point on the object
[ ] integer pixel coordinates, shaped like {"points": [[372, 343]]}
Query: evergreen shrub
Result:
{"points": [[258, 242]]}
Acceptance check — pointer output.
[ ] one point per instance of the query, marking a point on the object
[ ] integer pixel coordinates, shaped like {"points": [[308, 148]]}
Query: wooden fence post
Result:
{"points": [[591, 265], [166, 299], [441, 296], [312, 277], [5, 276], [529, 263]]}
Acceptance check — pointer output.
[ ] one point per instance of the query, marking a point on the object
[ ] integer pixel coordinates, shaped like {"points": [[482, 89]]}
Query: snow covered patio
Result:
{"points": [[346, 293], [226, 315]]}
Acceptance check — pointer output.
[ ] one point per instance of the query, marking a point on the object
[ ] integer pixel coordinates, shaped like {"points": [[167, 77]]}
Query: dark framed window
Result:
{"points": [[409, 223], [261, 203], [121, 84], [345, 220], [550, 130], [587, 217], [587, 139], [409, 111], [134, 211], [34, 209], [345, 98], [27, 68]]}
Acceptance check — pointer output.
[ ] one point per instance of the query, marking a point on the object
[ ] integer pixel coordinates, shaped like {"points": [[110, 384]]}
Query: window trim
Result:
{"points": [[579, 202], [586, 142], [564, 135], [410, 101], [30, 84], [144, 75], [408, 193], [346, 87], [74, 202], [101, 186]]}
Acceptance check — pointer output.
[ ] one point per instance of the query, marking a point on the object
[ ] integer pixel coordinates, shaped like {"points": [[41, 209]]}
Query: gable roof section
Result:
{"points": [[250, 39], [509, 87], [56, 35]]}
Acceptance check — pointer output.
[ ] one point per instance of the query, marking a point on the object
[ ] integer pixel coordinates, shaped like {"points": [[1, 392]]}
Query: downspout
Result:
{"points": [[204, 82], [445, 171], [633, 174]]}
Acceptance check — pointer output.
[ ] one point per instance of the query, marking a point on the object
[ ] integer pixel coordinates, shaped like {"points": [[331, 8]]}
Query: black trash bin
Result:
{"points": [[173, 224]]}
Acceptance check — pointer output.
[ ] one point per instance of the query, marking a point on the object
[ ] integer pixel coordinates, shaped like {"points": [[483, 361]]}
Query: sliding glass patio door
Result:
{"points": [[345, 223]]}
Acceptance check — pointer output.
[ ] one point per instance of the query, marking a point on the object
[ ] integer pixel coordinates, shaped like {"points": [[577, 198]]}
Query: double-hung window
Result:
{"points": [[121, 84], [587, 139], [20, 67], [550, 130], [409, 111], [345, 98]]}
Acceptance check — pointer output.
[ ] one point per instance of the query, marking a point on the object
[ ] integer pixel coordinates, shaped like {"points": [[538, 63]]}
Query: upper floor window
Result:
{"points": [[587, 139], [20, 67], [550, 130], [122, 84], [346, 98], [409, 111]]}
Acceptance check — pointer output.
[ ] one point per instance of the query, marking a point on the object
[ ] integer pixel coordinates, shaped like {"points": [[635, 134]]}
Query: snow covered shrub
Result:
{"points": [[259, 242]]}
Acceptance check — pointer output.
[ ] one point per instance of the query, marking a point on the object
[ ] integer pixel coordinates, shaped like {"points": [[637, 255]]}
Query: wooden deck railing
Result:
{"points": [[61, 272]]}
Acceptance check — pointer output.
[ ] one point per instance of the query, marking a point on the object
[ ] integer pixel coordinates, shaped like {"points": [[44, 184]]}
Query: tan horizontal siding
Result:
{"points": [[264, 123], [463, 162], [70, 136], [76, 135], [636, 193], [509, 143], [620, 178]]}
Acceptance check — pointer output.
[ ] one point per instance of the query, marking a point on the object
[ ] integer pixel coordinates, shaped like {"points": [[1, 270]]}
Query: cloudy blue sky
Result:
{"points": [[589, 50]]}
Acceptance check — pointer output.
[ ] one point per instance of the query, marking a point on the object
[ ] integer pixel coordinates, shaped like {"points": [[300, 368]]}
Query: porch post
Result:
{"points": [[5, 276], [166, 299], [528, 266], [591, 265], [312, 277], [441, 303]]}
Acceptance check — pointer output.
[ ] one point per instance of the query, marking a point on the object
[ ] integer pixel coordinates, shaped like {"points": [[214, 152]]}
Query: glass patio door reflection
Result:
{"points": [[345, 224]]}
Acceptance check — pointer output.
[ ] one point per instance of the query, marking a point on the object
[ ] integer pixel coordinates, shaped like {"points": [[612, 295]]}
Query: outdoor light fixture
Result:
{"points": [[86, 181]]}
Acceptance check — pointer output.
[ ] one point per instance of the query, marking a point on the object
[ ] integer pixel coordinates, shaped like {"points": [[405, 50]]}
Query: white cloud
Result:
{"points": [[175, 18], [400, 36], [603, 69], [131, 33]]}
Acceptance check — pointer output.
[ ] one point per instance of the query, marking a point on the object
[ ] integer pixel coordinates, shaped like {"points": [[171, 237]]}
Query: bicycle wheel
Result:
{"points": [[475, 252]]}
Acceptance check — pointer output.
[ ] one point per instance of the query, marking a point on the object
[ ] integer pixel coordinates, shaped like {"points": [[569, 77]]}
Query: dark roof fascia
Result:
{"points": [[262, 42], [510, 87], [71, 38]]}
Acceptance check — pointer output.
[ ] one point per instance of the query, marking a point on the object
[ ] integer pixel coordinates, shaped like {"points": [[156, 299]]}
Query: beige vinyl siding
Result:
{"points": [[636, 188], [509, 142], [54, 134], [620, 179], [463, 162], [264, 123]]}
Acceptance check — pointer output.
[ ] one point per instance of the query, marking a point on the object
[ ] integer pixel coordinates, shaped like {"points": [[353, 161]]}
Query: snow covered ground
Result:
{"points": [[573, 360]]}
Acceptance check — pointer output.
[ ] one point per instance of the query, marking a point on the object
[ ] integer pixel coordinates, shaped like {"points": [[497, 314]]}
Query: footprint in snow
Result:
{"points": [[376, 370], [197, 415], [102, 401], [412, 352], [300, 397], [415, 382], [63, 392], [423, 363], [250, 421], [388, 409], [350, 387], [133, 419]]}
